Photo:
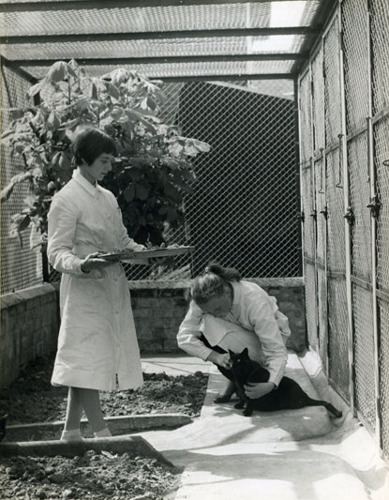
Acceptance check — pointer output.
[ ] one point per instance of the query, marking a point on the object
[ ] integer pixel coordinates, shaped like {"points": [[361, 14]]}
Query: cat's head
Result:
{"points": [[239, 356]]}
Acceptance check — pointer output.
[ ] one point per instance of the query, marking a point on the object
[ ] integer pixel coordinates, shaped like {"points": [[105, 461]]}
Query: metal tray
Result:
{"points": [[147, 254]]}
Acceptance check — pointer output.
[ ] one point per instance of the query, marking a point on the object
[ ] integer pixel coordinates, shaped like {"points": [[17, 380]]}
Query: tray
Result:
{"points": [[147, 254]]}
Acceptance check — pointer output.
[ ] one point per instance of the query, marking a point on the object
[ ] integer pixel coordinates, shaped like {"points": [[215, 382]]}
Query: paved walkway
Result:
{"points": [[286, 455]]}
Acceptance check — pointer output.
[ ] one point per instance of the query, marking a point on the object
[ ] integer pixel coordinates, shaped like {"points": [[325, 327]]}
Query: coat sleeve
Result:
{"points": [[263, 320], [189, 333], [62, 221]]}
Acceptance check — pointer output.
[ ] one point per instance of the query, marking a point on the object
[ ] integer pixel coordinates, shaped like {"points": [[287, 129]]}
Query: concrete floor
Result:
{"points": [[285, 455]]}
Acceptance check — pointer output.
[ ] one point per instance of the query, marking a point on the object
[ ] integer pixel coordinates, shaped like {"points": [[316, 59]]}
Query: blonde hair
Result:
{"points": [[212, 283]]}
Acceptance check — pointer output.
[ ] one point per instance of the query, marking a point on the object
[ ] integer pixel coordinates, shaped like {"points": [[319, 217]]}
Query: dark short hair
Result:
{"points": [[89, 143]]}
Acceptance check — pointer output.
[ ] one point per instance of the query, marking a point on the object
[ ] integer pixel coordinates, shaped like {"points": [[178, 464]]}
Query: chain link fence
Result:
{"points": [[345, 195], [21, 265], [242, 212]]}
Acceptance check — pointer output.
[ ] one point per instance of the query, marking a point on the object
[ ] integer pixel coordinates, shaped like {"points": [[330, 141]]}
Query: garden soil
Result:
{"points": [[93, 476]]}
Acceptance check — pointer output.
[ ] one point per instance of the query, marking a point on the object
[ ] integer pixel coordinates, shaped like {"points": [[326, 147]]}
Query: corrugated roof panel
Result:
{"points": [[99, 31], [171, 18]]}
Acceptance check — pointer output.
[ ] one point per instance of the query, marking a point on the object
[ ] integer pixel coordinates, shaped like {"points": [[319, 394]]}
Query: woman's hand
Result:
{"points": [[219, 359], [93, 261], [255, 391]]}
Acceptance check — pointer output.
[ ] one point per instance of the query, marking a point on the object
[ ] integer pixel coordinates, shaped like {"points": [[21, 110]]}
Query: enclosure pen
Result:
{"points": [[253, 134]]}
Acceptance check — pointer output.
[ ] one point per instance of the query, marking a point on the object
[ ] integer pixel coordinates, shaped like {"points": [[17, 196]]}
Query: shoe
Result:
{"points": [[73, 435], [224, 398]]}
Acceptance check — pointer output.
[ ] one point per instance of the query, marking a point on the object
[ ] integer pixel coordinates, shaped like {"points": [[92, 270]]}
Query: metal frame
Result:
{"points": [[310, 34]]}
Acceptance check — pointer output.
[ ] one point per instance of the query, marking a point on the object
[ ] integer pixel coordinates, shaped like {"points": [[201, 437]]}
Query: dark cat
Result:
{"points": [[288, 395]]}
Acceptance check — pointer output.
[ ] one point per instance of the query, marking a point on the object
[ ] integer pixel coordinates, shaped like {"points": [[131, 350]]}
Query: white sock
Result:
{"points": [[73, 435], [103, 433]]}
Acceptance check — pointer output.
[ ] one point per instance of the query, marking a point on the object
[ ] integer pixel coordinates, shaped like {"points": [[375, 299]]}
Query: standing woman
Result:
{"points": [[227, 313], [97, 344]]}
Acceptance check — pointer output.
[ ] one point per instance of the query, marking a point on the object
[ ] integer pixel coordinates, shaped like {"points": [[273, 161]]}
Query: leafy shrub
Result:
{"points": [[153, 170]]}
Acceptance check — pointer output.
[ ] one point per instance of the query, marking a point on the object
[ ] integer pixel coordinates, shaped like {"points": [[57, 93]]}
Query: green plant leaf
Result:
{"points": [[35, 89], [19, 222], [156, 168], [134, 172], [129, 193], [16, 179], [142, 190]]}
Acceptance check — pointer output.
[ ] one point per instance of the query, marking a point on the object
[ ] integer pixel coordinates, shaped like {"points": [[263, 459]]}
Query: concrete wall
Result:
{"points": [[30, 319]]}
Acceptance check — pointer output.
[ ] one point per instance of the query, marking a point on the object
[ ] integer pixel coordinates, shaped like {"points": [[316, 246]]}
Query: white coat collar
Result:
{"points": [[80, 179], [237, 293]]}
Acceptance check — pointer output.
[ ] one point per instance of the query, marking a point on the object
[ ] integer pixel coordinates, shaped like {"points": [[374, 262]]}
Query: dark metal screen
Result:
{"points": [[350, 274]]}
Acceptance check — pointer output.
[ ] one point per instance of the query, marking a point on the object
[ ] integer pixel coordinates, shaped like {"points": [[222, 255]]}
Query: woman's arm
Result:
{"points": [[62, 221], [189, 334]]}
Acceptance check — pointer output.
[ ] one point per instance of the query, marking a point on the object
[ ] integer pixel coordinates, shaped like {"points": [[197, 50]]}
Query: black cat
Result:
{"points": [[288, 395]]}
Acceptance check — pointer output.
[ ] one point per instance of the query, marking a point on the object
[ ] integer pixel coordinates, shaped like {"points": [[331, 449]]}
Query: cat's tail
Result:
{"points": [[315, 402]]}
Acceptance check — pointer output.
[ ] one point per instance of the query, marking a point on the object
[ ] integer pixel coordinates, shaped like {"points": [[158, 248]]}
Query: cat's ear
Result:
{"points": [[245, 351], [231, 352]]}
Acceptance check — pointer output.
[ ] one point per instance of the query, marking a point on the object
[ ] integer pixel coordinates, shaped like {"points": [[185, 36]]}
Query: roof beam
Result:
{"points": [[323, 14], [41, 5], [255, 76], [225, 78], [157, 35], [165, 59]]}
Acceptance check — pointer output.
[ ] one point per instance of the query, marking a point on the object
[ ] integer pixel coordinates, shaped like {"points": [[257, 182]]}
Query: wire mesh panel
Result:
{"points": [[322, 316], [360, 197], [21, 267], [337, 293], [383, 311], [336, 253], [332, 91], [337, 296], [310, 280], [318, 101], [309, 255], [381, 134], [357, 84], [357, 88], [244, 206], [361, 270], [380, 54], [321, 211], [321, 257], [362, 46], [243, 210], [305, 113], [308, 206], [309, 216], [365, 400]]}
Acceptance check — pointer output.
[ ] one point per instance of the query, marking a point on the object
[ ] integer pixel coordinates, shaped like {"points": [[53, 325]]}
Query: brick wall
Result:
{"points": [[30, 319], [29, 326], [159, 308]]}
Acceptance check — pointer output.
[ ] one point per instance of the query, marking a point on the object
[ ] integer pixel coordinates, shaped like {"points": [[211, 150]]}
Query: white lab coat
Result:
{"points": [[254, 321], [97, 344]]}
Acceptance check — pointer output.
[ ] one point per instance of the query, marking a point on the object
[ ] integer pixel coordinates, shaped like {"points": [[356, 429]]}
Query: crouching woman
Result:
{"points": [[228, 313]]}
